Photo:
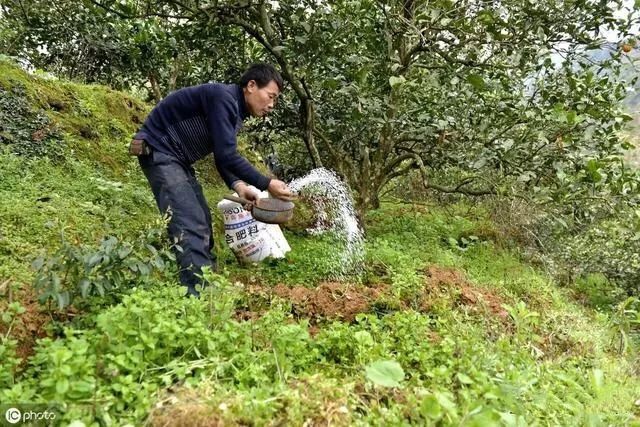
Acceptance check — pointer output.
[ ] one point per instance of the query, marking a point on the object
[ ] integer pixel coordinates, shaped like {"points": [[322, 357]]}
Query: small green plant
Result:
{"points": [[81, 271], [222, 295], [385, 373], [462, 243], [8, 359], [524, 320], [625, 324]]}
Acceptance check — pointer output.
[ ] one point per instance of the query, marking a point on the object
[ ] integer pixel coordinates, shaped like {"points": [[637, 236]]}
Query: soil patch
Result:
{"points": [[30, 325], [467, 294], [344, 301], [329, 300]]}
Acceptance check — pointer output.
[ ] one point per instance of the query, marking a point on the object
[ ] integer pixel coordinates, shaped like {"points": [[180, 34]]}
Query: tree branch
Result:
{"points": [[459, 188]]}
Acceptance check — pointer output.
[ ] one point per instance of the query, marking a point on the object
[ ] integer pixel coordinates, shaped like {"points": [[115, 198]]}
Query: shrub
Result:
{"points": [[116, 265]]}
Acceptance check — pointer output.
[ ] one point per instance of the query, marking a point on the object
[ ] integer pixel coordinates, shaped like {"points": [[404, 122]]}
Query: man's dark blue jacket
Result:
{"points": [[195, 121]]}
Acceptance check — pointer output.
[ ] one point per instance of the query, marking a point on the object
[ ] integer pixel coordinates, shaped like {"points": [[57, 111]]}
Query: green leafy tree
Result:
{"points": [[118, 43], [481, 97]]}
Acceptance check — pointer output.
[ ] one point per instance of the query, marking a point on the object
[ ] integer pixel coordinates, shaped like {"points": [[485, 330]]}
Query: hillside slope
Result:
{"points": [[446, 326]]}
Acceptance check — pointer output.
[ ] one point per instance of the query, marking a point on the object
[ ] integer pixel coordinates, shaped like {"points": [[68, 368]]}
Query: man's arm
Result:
{"points": [[221, 117]]}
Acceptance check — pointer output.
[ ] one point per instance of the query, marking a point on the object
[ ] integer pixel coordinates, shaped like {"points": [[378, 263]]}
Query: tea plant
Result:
{"points": [[625, 324], [79, 271]]}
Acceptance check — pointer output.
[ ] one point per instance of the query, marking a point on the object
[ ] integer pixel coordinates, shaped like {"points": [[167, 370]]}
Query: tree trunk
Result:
{"points": [[308, 123], [155, 88], [375, 201], [365, 198], [175, 71], [362, 202]]}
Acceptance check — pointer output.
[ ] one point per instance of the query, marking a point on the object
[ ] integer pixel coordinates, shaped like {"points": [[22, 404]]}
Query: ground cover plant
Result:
{"points": [[447, 324]]}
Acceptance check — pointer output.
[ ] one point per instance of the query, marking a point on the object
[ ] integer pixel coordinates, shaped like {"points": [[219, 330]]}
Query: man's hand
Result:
{"points": [[279, 190], [245, 192]]}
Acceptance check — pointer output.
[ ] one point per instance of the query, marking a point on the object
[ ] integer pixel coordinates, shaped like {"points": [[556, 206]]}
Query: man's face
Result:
{"points": [[260, 101]]}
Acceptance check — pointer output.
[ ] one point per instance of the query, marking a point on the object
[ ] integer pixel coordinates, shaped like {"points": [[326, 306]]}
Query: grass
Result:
{"points": [[481, 337]]}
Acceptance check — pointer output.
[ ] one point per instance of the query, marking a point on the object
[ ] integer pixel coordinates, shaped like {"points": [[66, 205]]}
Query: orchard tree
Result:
{"points": [[121, 44], [483, 96]]}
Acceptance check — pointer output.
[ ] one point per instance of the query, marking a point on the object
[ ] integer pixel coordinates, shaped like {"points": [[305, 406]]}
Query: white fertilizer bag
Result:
{"points": [[251, 240]]}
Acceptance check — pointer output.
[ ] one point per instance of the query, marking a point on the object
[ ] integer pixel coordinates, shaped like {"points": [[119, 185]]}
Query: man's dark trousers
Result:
{"points": [[177, 191]]}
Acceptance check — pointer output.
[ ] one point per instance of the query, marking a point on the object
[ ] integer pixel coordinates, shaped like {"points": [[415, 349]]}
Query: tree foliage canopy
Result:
{"points": [[479, 97]]}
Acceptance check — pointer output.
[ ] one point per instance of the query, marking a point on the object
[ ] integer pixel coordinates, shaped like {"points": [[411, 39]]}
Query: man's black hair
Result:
{"points": [[262, 74]]}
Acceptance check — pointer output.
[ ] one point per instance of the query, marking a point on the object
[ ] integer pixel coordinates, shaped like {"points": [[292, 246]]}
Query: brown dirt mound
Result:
{"points": [[343, 301], [445, 276], [468, 294], [330, 300], [30, 325]]}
